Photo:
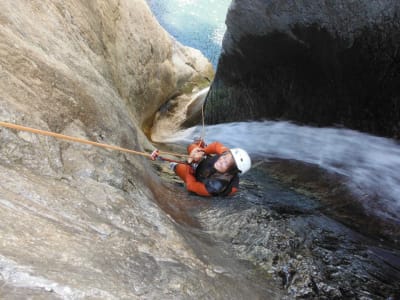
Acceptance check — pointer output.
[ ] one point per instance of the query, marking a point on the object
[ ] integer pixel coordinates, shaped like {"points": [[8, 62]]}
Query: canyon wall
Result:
{"points": [[79, 222], [326, 63]]}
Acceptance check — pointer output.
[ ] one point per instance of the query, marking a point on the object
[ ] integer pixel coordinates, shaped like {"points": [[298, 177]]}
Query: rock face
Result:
{"points": [[293, 236], [79, 222], [321, 63]]}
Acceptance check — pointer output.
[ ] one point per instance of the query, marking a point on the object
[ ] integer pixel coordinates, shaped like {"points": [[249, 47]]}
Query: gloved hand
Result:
{"points": [[196, 155], [154, 155]]}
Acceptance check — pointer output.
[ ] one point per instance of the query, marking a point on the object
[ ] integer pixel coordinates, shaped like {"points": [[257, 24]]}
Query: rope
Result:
{"points": [[81, 141], [203, 130]]}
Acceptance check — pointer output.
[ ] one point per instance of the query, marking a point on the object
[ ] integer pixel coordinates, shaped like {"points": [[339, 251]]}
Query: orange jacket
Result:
{"points": [[187, 173]]}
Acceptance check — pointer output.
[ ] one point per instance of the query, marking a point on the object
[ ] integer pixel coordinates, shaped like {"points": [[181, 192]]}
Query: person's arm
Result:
{"points": [[233, 191], [185, 172], [195, 186], [215, 148]]}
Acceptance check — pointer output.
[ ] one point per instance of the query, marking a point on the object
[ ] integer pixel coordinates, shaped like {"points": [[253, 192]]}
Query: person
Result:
{"points": [[212, 170]]}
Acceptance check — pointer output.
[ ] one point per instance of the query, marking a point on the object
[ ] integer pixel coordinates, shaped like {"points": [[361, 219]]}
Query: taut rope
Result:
{"points": [[82, 141]]}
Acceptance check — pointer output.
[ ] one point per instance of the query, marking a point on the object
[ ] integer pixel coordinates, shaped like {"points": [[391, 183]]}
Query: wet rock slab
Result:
{"points": [[79, 222], [309, 253]]}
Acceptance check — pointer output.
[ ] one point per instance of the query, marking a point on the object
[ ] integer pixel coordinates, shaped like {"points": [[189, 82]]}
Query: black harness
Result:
{"points": [[217, 184]]}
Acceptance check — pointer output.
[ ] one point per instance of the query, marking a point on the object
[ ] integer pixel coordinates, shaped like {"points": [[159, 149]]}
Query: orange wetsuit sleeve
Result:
{"points": [[215, 148], [195, 186], [192, 185], [234, 191]]}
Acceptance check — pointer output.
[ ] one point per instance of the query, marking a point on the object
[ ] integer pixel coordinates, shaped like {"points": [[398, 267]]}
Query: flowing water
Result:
{"points": [[195, 23], [370, 164], [270, 224], [285, 231]]}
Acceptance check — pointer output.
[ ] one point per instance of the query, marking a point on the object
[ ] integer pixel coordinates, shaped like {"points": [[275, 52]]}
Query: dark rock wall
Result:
{"points": [[325, 64]]}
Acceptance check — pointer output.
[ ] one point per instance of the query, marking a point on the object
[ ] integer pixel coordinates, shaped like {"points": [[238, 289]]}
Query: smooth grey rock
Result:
{"points": [[79, 222]]}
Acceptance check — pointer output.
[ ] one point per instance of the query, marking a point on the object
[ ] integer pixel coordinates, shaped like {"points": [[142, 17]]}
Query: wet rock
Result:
{"points": [[178, 112], [335, 198], [309, 254], [79, 222], [334, 63]]}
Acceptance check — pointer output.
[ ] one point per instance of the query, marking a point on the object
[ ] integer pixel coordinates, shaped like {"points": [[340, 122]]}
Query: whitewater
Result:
{"points": [[369, 164]]}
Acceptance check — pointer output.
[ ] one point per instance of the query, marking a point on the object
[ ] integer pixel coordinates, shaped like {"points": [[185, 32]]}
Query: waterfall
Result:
{"points": [[369, 163]]}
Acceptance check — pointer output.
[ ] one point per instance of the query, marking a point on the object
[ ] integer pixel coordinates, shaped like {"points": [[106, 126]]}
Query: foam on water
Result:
{"points": [[371, 164]]}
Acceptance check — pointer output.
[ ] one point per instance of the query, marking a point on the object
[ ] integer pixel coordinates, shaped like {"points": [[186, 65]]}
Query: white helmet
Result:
{"points": [[242, 159]]}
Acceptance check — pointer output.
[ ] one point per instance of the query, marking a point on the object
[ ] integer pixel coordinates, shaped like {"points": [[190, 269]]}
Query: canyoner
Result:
{"points": [[209, 170], [212, 170]]}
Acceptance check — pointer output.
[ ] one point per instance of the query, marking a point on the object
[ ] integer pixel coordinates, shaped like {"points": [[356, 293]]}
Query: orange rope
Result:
{"points": [[79, 140]]}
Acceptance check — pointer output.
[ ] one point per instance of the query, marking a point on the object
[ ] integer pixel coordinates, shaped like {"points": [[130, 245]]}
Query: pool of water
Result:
{"points": [[196, 23]]}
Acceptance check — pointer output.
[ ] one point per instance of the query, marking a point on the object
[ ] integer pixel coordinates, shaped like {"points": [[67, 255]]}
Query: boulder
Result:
{"points": [[326, 63]]}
